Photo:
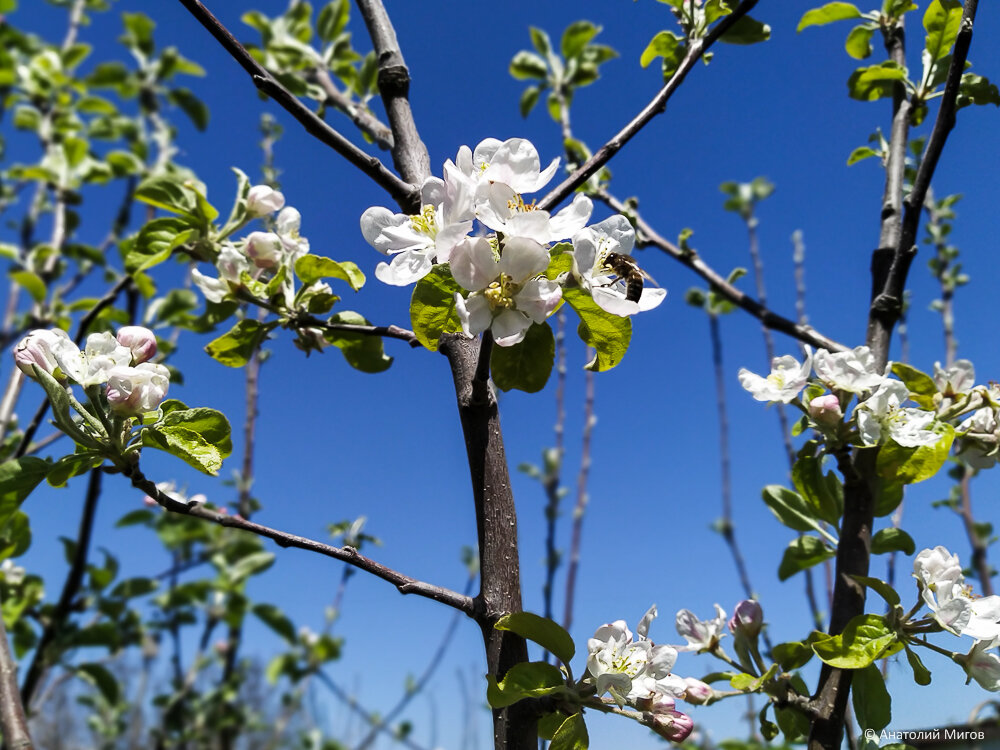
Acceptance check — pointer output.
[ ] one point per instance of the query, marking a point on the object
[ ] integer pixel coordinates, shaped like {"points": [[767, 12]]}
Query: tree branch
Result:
{"points": [[657, 105], [13, 722], [646, 235], [409, 153], [405, 584], [401, 191], [362, 118]]}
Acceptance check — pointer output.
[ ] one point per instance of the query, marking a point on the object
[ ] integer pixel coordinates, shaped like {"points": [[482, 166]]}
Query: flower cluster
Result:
{"points": [[502, 270], [944, 591], [636, 672], [134, 384], [881, 413], [260, 255]]}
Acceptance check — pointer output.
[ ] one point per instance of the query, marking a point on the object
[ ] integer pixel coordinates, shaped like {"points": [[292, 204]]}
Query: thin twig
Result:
{"points": [[553, 470], [581, 497], [360, 115], [696, 48], [401, 191], [405, 584], [646, 235], [13, 722]]}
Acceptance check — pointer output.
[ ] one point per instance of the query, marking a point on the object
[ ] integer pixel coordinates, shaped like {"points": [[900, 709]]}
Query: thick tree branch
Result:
{"points": [[13, 722], [409, 153], [401, 191], [696, 48], [405, 584], [648, 236]]}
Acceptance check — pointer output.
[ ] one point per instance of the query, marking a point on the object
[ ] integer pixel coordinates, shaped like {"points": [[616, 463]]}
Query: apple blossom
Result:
{"points": [[591, 247], [140, 341], [748, 618], [263, 200], [507, 293], [40, 347], [853, 371], [287, 226], [943, 589], [979, 438], [701, 635], [505, 212], [958, 378], [133, 391], [231, 264], [697, 692], [671, 725], [514, 162], [882, 415], [786, 381], [982, 665], [825, 410], [91, 366], [265, 249]]}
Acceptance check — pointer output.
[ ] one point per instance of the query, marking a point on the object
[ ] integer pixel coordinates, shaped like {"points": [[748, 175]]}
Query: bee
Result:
{"points": [[627, 270]]}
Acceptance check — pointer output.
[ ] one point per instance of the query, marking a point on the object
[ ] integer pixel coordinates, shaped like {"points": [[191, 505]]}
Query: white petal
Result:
{"points": [[473, 265], [531, 224], [523, 258], [474, 313], [509, 327], [538, 298], [377, 218], [651, 297], [614, 302], [571, 219], [405, 268]]}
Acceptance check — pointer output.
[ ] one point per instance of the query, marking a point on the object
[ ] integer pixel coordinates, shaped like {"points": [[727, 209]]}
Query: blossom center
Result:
{"points": [[425, 222], [500, 294]]}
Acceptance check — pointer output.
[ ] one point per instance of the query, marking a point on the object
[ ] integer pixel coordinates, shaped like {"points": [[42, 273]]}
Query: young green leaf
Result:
{"points": [[362, 352], [608, 334], [803, 553], [524, 680], [911, 465], [876, 81], [310, 268], [527, 365], [865, 639], [571, 735], [893, 540], [541, 630], [828, 14], [872, 704], [432, 307], [235, 347]]}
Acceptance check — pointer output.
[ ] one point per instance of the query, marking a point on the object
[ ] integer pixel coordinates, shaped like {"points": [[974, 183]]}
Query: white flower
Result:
{"points": [[591, 247], [958, 378], [231, 265], [506, 212], [513, 162], [265, 249], [786, 381], [852, 371], [263, 200], [41, 347], [942, 586], [140, 341], [12, 574], [133, 391], [883, 412], [286, 226], [981, 665], [701, 635], [507, 295], [980, 438], [101, 354]]}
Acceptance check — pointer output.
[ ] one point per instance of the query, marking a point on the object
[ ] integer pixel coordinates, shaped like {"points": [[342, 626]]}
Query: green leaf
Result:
{"points": [[138, 32], [942, 20], [571, 735], [888, 498], [746, 30], [828, 14], [142, 516], [549, 635], [71, 466], [332, 19], [608, 334], [527, 365], [875, 82], [793, 723], [872, 704], [665, 44], [976, 89], [861, 152], [235, 347], [311, 268], [540, 41], [167, 193], [528, 100], [921, 385], [549, 724], [823, 492], [893, 540], [880, 587], [791, 509], [524, 680], [859, 41], [792, 655], [31, 282], [362, 352], [525, 65], [275, 619], [102, 679], [921, 674], [133, 587], [200, 437], [577, 36], [911, 465], [191, 105], [18, 477], [432, 307], [156, 241], [803, 553], [249, 565], [865, 639]]}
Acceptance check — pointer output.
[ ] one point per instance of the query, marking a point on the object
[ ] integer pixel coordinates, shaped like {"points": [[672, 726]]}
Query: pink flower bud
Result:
{"points": [[263, 200], [697, 693], [747, 617], [133, 391], [672, 725], [264, 249], [40, 347], [825, 410], [149, 502], [141, 341]]}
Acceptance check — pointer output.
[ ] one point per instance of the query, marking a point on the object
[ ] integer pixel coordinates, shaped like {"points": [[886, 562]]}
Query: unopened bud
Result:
{"points": [[825, 410], [671, 725], [40, 348], [263, 200], [747, 618], [697, 692], [141, 341], [264, 249]]}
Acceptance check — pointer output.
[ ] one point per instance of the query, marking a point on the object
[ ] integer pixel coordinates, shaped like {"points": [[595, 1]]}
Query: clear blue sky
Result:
{"points": [[335, 444]]}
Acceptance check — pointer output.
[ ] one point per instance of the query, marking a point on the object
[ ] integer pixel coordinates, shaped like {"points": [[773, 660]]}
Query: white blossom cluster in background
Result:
{"points": [[502, 269], [956, 609], [260, 255], [881, 412], [134, 384]]}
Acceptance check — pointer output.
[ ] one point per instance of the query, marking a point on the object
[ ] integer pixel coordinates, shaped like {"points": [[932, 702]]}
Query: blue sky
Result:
{"points": [[335, 444]]}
